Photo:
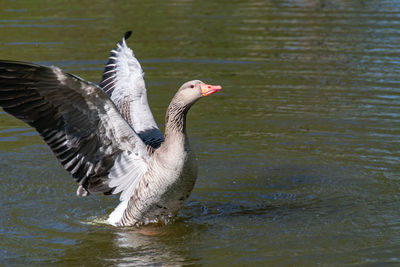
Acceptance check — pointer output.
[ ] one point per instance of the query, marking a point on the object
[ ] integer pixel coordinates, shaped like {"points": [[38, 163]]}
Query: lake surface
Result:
{"points": [[298, 154]]}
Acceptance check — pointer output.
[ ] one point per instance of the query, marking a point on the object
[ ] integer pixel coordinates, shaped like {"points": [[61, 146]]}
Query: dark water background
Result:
{"points": [[298, 155]]}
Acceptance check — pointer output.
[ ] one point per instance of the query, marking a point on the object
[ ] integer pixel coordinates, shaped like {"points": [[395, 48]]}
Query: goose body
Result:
{"points": [[105, 135]]}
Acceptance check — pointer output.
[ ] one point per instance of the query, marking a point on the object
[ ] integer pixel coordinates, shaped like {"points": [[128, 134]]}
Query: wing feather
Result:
{"points": [[80, 124], [123, 81]]}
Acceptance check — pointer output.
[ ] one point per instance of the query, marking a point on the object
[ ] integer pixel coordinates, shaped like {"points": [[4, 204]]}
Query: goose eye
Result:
{"points": [[192, 86]]}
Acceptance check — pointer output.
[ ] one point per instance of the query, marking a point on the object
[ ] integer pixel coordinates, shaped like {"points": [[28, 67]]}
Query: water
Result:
{"points": [[299, 154]]}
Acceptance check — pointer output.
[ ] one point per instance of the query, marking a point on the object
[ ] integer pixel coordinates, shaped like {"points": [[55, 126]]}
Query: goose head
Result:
{"points": [[192, 91]]}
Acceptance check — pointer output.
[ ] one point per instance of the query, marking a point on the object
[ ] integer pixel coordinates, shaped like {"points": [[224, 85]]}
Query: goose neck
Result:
{"points": [[175, 121]]}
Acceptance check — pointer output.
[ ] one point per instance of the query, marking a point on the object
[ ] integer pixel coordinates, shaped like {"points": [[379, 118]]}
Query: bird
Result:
{"points": [[105, 134]]}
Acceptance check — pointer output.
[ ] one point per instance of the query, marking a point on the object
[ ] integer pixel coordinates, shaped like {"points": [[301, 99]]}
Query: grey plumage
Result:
{"points": [[123, 81], [107, 138], [71, 115]]}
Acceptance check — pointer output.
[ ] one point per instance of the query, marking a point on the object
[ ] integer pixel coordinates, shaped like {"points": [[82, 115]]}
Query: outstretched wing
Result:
{"points": [[123, 81], [80, 124]]}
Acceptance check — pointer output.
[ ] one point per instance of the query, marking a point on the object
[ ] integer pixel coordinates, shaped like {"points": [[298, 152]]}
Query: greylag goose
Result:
{"points": [[105, 135]]}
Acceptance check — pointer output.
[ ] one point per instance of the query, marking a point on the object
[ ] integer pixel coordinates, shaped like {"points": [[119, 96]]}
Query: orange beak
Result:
{"points": [[207, 89]]}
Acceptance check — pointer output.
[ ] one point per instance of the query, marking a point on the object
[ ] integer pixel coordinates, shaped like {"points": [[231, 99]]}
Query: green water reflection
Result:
{"points": [[299, 154]]}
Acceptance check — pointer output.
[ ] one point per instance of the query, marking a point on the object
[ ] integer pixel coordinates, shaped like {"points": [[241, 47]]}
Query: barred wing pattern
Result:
{"points": [[80, 124], [123, 81]]}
